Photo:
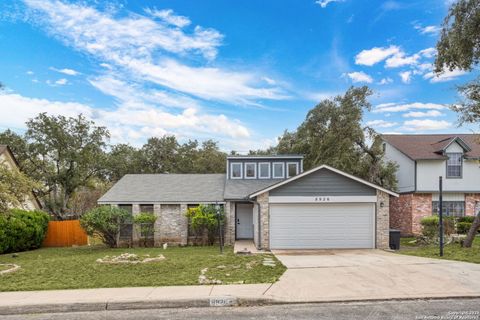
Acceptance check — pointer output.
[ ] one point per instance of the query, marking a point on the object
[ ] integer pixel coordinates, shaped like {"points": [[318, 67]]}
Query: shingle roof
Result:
{"points": [[429, 146], [192, 188], [240, 189]]}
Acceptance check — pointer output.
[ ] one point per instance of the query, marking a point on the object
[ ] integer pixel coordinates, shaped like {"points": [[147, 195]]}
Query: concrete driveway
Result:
{"points": [[344, 275]]}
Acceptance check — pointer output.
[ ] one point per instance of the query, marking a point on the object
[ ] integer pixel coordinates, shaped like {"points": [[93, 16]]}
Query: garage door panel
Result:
{"points": [[321, 226]]}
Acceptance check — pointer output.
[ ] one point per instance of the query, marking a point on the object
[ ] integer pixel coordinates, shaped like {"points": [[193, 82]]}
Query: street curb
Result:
{"points": [[224, 301], [221, 301]]}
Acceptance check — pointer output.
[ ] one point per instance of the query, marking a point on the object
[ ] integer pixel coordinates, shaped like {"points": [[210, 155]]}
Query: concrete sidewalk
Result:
{"points": [[23, 302]]}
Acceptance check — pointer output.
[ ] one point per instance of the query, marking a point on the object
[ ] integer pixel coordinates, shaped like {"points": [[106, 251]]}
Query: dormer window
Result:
{"points": [[264, 170], [250, 170], [278, 170], [292, 169], [236, 170], [454, 165]]}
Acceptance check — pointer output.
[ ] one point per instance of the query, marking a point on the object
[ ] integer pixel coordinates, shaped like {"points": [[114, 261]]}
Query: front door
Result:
{"points": [[244, 221]]}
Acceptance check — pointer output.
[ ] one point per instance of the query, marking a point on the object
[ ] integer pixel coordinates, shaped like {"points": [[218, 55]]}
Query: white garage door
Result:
{"points": [[322, 226]]}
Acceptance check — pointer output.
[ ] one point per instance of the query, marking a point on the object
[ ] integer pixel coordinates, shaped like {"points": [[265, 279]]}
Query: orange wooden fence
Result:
{"points": [[65, 234]]}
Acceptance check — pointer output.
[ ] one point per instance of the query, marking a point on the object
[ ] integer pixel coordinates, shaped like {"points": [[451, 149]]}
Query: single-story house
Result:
{"points": [[268, 199]]}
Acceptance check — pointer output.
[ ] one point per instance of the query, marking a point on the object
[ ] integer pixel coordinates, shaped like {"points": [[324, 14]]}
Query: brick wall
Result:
{"points": [[262, 200], [382, 238], [229, 223], [407, 211], [421, 207], [470, 199], [171, 225], [401, 213]]}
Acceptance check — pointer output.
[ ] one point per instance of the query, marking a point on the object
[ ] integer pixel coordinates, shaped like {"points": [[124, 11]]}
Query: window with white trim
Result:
{"points": [[264, 170], [450, 208], [250, 170], [236, 170], [278, 170], [454, 165], [292, 169]]}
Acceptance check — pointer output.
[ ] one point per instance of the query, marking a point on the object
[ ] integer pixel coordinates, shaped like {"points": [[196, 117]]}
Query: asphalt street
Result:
{"points": [[458, 309]]}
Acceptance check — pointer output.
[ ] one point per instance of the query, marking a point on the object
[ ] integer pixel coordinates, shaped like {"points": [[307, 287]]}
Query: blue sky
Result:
{"points": [[239, 72]]}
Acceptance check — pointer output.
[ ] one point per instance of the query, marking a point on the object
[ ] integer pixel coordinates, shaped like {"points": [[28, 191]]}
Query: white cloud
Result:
{"points": [[425, 125], [169, 17], [381, 124], [27, 108], [421, 114], [444, 76], [136, 45], [30, 72], [66, 71], [324, 3], [128, 121], [360, 77], [406, 76], [430, 30], [400, 59], [61, 82], [375, 55], [270, 81], [386, 80], [428, 52], [399, 107], [100, 33]]}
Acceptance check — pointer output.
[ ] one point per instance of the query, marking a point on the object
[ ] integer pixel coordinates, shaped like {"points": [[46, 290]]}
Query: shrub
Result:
{"points": [[145, 223], [104, 222], [468, 219], [463, 227], [22, 230], [203, 220], [430, 226]]}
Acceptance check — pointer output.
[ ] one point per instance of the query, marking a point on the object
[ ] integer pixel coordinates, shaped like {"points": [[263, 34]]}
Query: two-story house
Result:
{"points": [[7, 159], [269, 200], [421, 160]]}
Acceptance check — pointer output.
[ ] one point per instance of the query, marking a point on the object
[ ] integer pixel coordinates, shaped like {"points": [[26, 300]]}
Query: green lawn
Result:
{"points": [[70, 268], [451, 252]]}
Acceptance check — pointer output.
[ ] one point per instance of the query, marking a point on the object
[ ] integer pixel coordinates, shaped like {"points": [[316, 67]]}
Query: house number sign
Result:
{"points": [[322, 199]]}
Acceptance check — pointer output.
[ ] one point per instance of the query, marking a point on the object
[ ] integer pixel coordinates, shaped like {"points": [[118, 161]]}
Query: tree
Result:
{"points": [[121, 160], [160, 154], [473, 229], [15, 188], [19, 146], [332, 134], [62, 153], [459, 48], [204, 221], [210, 159], [167, 155], [104, 222], [85, 198]]}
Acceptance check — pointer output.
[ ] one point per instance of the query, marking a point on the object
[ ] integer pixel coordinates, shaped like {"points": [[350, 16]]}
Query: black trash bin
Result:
{"points": [[394, 239]]}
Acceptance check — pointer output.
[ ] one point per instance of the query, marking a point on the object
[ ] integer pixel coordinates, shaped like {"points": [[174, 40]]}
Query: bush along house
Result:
{"points": [[269, 200], [421, 160]]}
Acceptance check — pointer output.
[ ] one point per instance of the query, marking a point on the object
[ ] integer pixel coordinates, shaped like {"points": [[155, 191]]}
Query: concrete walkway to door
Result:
{"points": [[343, 275]]}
